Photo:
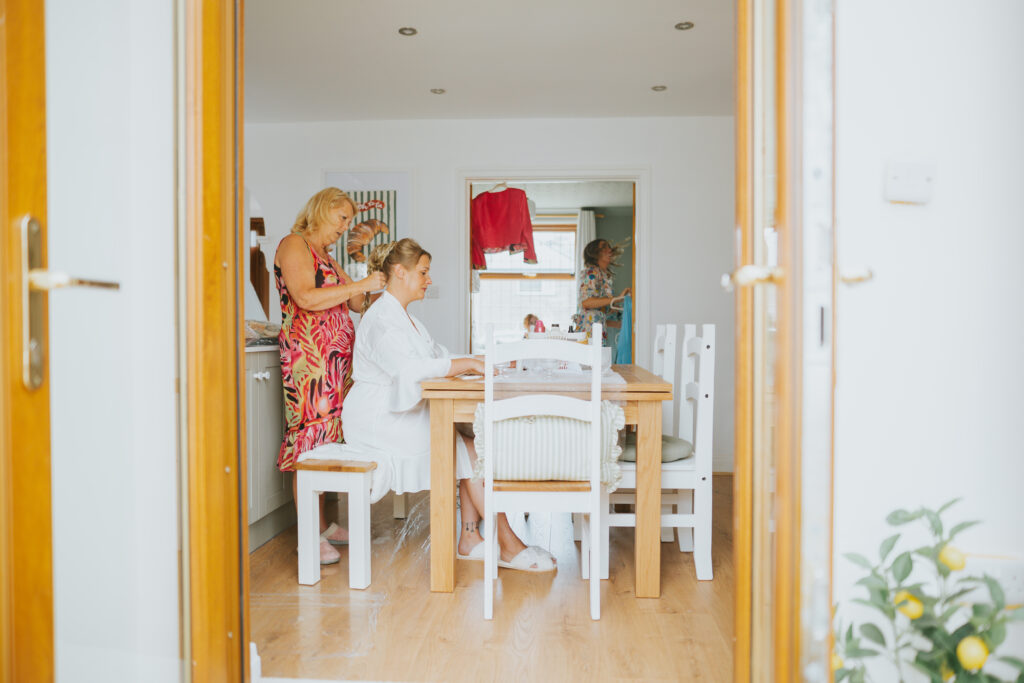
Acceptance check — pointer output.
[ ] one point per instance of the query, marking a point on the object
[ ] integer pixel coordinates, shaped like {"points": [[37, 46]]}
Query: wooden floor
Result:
{"points": [[397, 630]]}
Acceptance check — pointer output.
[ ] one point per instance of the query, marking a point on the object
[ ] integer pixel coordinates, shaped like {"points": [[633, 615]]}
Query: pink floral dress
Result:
{"points": [[316, 364]]}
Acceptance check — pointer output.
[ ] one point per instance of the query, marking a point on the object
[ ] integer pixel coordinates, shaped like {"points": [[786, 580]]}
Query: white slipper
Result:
{"points": [[476, 554], [532, 559], [330, 530]]}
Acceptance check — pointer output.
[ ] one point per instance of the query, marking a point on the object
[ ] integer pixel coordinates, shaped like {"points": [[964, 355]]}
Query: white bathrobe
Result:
{"points": [[383, 415]]}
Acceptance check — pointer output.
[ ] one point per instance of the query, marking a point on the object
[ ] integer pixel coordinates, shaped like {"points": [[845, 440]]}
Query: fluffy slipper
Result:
{"points": [[330, 530], [330, 560], [532, 559], [476, 554]]}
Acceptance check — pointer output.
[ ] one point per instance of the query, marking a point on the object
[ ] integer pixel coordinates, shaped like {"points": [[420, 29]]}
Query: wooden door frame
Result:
{"points": [[213, 270], [26, 547], [217, 524]]}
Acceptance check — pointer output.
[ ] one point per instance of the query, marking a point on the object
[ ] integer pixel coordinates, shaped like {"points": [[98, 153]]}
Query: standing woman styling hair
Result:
{"points": [[316, 335], [595, 295], [385, 415]]}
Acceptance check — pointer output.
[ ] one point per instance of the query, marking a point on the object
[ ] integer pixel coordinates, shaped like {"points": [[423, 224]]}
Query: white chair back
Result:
{"points": [[588, 411], [561, 496], [697, 393], [663, 364]]}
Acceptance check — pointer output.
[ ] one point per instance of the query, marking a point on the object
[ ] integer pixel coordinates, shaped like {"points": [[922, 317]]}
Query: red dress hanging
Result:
{"points": [[500, 221]]}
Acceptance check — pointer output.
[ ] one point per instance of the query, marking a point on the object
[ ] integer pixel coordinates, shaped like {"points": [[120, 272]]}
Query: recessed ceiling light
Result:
{"points": [[659, 88], [684, 25], [437, 91], [410, 31]]}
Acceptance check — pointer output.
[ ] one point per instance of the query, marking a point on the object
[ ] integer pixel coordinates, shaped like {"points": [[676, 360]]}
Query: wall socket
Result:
{"points": [[433, 292], [1007, 570]]}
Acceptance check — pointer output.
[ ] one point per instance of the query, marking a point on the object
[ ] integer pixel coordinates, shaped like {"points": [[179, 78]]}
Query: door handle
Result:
{"points": [[35, 282], [751, 274]]}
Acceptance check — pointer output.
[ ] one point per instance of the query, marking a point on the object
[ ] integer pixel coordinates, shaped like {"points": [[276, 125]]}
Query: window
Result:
{"points": [[511, 289]]}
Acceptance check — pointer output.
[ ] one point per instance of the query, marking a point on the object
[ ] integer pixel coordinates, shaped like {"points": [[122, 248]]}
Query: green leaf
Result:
{"points": [[959, 594], [874, 581], [841, 675], [1014, 662], [962, 632], [887, 546], [849, 632], [861, 652], [900, 517], [933, 676], [858, 559], [948, 612], [872, 633], [886, 610], [1015, 614], [945, 506], [996, 635], [961, 527], [857, 676], [996, 591], [935, 522], [901, 567], [982, 610]]}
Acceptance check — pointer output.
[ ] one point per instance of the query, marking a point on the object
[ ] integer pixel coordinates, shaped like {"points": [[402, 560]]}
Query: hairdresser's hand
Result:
{"points": [[373, 282]]}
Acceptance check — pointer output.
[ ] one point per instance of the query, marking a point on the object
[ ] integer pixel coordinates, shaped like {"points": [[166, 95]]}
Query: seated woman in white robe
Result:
{"points": [[383, 413]]}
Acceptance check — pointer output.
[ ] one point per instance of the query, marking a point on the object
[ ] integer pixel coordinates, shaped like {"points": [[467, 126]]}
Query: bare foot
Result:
{"points": [[468, 541], [512, 548]]}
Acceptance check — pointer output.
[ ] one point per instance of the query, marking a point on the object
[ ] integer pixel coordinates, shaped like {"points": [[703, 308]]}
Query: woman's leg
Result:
{"points": [[328, 555], [472, 491], [469, 534]]}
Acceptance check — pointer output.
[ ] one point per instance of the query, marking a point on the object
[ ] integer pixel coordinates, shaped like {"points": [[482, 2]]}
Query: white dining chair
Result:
{"points": [[663, 364], [686, 480], [574, 429]]}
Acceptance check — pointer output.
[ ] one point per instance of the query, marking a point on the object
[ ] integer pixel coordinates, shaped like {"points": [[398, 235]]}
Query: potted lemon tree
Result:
{"points": [[946, 627]]}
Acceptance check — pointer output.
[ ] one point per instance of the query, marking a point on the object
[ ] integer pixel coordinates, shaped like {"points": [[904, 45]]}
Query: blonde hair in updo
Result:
{"points": [[318, 209], [406, 252]]}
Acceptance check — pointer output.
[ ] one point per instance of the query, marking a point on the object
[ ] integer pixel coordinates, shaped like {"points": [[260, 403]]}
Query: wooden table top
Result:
{"points": [[640, 384]]}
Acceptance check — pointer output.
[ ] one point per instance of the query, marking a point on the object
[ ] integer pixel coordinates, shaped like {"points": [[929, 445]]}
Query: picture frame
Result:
{"points": [[383, 209]]}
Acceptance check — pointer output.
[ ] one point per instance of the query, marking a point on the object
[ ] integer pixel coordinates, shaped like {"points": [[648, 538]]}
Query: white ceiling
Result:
{"points": [[330, 60]]}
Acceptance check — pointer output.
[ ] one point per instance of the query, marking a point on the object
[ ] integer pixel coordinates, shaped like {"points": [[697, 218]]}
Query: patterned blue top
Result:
{"points": [[594, 282]]}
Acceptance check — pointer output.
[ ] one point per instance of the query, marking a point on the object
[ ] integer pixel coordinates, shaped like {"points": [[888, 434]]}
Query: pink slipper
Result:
{"points": [[329, 531], [333, 558]]}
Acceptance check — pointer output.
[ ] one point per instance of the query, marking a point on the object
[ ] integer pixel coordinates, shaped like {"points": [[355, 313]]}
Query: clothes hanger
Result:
{"points": [[499, 187]]}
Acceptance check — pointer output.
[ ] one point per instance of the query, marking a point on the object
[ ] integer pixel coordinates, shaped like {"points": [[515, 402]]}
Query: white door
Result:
{"points": [[112, 207], [929, 368]]}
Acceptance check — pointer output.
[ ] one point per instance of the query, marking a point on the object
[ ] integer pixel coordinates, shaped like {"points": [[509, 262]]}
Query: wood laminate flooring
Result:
{"points": [[397, 630]]}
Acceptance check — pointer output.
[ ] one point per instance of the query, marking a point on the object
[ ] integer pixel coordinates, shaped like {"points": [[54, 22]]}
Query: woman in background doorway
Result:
{"points": [[317, 336], [595, 295]]}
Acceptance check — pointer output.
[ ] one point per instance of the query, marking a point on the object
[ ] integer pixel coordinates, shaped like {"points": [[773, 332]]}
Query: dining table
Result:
{"points": [[454, 400]]}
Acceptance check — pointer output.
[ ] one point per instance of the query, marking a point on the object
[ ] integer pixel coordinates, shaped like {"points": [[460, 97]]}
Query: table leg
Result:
{"points": [[442, 494], [648, 500]]}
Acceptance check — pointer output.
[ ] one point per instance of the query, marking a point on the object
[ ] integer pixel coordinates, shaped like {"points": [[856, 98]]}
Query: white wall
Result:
{"points": [[930, 365], [689, 162], [110, 128]]}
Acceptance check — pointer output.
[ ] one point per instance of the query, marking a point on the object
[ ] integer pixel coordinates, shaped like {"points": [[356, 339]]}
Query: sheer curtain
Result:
{"points": [[586, 231]]}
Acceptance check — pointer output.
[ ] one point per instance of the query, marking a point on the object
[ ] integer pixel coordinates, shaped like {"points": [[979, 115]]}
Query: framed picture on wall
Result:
{"points": [[382, 214]]}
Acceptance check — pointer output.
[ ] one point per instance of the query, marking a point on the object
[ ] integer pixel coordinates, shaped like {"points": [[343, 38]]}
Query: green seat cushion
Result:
{"points": [[672, 448]]}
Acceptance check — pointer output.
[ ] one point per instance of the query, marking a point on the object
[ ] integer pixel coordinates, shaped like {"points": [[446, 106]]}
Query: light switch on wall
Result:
{"points": [[432, 292], [908, 183]]}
